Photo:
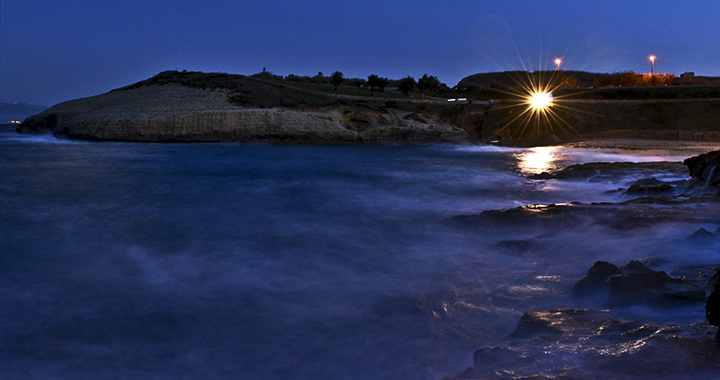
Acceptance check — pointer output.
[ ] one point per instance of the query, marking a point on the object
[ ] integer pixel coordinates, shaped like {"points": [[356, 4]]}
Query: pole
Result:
{"points": [[652, 70]]}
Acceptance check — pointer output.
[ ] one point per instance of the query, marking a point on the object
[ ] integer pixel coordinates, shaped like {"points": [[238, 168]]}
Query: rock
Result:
{"points": [[637, 284], [713, 280], [633, 214], [582, 344], [596, 171], [712, 308], [635, 266], [638, 189], [704, 168], [536, 325], [654, 288], [596, 279], [550, 216], [702, 236]]}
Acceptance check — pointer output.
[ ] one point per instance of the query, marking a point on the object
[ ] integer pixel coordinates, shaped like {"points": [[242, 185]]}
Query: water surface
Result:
{"points": [[256, 261]]}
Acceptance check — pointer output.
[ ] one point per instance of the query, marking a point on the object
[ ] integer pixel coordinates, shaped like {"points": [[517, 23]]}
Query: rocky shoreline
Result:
{"points": [[595, 338]]}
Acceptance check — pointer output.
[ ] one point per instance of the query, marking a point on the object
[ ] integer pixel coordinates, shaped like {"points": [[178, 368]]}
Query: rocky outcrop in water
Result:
{"points": [[705, 168], [712, 308], [637, 284], [589, 344], [596, 281], [598, 171]]}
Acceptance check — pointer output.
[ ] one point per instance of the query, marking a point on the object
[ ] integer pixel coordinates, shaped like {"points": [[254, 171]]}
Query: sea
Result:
{"points": [[257, 261]]}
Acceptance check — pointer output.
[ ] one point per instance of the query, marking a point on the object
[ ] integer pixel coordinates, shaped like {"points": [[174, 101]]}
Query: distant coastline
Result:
{"points": [[197, 107]]}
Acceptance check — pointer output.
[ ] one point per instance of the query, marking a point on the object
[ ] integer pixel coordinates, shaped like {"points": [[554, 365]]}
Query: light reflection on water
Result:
{"points": [[538, 160]]}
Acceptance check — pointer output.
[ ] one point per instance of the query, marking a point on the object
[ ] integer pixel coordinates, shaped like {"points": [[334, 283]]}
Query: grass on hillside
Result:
{"points": [[268, 93]]}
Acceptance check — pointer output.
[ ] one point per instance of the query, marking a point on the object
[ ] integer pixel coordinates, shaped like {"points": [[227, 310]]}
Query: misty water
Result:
{"points": [[260, 261]]}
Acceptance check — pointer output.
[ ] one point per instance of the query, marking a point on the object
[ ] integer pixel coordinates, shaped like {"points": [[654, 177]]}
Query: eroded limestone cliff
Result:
{"points": [[176, 112]]}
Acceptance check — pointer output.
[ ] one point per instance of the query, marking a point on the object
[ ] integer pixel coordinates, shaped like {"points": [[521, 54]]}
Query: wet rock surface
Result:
{"points": [[624, 216], [702, 236], [602, 342], [712, 309], [704, 168], [591, 344], [598, 171], [649, 187], [597, 279], [637, 284]]}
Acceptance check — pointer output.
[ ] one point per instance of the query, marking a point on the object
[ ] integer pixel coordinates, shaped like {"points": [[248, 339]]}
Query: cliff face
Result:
{"points": [[178, 113]]}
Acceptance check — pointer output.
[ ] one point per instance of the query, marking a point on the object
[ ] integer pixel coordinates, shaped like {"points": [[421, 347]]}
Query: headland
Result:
{"points": [[215, 107]]}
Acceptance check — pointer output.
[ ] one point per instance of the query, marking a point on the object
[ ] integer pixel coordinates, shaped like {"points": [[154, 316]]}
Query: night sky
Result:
{"points": [[57, 50]]}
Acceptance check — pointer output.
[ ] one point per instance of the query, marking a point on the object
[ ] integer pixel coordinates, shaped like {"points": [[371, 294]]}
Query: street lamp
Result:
{"points": [[557, 62], [652, 70]]}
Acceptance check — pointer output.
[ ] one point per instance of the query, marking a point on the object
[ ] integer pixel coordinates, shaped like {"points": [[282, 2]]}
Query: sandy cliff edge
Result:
{"points": [[177, 113]]}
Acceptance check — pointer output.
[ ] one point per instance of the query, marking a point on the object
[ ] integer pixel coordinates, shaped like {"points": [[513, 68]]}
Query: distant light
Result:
{"points": [[14, 121], [652, 58]]}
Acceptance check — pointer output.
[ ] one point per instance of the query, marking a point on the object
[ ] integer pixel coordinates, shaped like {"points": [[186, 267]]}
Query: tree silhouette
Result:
{"points": [[357, 82], [336, 79], [427, 82], [407, 84], [382, 83], [372, 81]]}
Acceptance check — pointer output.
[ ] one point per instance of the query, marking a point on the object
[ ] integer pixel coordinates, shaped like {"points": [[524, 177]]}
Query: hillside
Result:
{"points": [[192, 106], [199, 107], [521, 78]]}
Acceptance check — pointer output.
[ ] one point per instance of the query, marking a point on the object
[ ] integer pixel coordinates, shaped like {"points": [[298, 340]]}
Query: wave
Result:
{"points": [[46, 138]]}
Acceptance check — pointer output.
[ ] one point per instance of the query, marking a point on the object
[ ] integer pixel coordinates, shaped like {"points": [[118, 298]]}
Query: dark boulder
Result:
{"points": [[596, 279], [600, 171], [653, 288], [635, 283], [640, 189], [702, 236], [635, 266], [536, 324], [704, 167], [712, 308]]}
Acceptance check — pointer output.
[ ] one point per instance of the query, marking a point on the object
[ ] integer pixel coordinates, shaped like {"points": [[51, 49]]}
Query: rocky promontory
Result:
{"points": [[198, 107]]}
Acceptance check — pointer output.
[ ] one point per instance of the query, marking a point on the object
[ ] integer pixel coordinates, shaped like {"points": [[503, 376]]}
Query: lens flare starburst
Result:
{"points": [[532, 111], [540, 101]]}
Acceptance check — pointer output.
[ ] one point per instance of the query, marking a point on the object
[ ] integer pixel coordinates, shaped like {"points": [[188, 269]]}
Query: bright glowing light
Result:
{"points": [[540, 100], [558, 61], [652, 58]]}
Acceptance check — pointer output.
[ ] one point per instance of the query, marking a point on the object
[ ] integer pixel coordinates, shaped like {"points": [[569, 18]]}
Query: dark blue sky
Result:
{"points": [[56, 50]]}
